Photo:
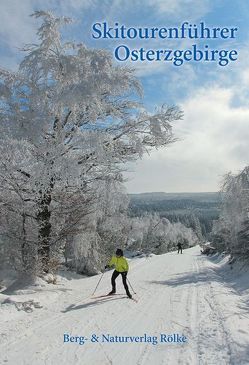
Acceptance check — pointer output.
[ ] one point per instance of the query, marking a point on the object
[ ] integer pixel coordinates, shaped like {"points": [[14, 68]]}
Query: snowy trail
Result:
{"points": [[183, 294]]}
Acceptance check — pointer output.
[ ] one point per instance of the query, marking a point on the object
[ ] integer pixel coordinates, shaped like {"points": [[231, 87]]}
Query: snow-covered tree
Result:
{"points": [[231, 230], [90, 249], [69, 118], [195, 224], [150, 233]]}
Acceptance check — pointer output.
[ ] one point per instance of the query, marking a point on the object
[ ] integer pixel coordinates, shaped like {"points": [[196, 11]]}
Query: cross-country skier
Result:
{"points": [[179, 245], [121, 267]]}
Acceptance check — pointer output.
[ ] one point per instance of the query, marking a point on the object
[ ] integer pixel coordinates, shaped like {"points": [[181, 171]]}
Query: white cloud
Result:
{"points": [[214, 140], [16, 25]]}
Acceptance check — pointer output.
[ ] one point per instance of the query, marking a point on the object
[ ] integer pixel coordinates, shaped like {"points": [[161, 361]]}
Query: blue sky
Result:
{"points": [[214, 133]]}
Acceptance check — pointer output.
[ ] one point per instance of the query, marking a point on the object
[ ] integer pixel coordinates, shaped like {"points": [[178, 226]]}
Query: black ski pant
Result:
{"points": [[179, 249], [114, 277]]}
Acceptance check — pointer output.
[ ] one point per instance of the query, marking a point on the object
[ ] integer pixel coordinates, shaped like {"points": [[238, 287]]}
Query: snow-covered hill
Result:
{"points": [[187, 295]]}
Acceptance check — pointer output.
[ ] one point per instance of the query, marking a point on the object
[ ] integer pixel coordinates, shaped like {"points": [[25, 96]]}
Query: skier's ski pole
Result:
{"points": [[98, 283], [131, 286]]}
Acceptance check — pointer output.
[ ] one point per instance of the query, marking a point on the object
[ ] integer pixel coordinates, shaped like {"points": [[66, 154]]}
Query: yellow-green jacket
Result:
{"points": [[120, 263]]}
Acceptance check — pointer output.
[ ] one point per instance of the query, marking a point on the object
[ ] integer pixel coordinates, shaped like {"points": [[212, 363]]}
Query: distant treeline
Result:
{"points": [[179, 208]]}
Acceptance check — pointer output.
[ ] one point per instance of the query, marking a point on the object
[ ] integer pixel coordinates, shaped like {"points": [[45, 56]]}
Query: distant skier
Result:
{"points": [[121, 267], [179, 245]]}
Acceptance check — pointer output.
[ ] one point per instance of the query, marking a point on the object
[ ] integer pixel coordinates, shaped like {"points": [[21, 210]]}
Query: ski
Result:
{"points": [[112, 295], [105, 295], [134, 299]]}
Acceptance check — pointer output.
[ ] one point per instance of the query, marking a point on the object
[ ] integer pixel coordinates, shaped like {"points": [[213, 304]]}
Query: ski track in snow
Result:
{"points": [[183, 294]]}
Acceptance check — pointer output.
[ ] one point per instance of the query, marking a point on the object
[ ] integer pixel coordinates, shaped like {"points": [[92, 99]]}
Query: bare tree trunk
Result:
{"points": [[25, 249], [44, 231]]}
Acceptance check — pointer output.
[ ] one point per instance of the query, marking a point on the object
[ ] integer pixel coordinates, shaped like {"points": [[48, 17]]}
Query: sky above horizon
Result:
{"points": [[214, 133]]}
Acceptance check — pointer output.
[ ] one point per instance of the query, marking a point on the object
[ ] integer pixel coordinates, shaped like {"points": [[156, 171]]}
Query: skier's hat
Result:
{"points": [[119, 252]]}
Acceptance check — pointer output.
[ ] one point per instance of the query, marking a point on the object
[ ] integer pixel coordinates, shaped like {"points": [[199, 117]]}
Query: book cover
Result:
{"points": [[124, 182]]}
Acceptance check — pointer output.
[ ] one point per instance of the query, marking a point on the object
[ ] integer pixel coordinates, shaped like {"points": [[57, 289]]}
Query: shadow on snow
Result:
{"points": [[92, 303]]}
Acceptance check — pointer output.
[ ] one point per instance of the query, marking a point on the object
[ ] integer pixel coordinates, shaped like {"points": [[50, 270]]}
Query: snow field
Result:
{"points": [[188, 294]]}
